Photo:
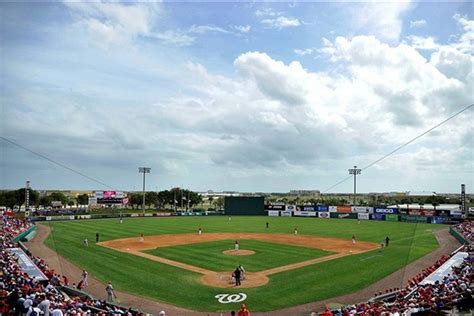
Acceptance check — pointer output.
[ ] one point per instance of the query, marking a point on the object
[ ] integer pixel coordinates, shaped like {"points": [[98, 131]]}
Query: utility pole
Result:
{"points": [[355, 172], [144, 170]]}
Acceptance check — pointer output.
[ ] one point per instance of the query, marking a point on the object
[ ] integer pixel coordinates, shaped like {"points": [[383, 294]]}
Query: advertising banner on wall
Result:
{"points": [[273, 213], [382, 210], [455, 212], [323, 214], [343, 215], [291, 208], [304, 213], [437, 220], [391, 218], [378, 216], [362, 209], [275, 207], [363, 215], [285, 213], [332, 208], [309, 208], [344, 209], [323, 208]]}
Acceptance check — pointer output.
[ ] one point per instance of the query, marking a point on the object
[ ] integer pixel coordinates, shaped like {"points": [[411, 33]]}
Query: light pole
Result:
{"points": [[355, 172], [144, 170]]}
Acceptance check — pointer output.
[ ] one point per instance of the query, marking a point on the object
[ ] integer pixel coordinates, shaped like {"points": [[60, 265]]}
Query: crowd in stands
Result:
{"points": [[21, 294], [453, 291], [466, 229]]}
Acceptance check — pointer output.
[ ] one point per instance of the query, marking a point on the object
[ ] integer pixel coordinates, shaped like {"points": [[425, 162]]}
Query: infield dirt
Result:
{"points": [[340, 248]]}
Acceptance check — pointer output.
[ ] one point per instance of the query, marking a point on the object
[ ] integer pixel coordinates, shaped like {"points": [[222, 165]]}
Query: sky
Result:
{"points": [[236, 96]]}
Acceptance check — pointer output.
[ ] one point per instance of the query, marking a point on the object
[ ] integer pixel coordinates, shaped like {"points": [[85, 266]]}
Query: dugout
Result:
{"points": [[244, 205]]}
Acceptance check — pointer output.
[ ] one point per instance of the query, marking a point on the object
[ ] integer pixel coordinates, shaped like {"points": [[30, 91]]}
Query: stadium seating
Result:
{"points": [[454, 292], [20, 294]]}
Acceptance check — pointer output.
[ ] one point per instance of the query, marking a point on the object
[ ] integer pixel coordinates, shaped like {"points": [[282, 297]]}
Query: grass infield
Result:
{"points": [[209, 255], [183, 288]]}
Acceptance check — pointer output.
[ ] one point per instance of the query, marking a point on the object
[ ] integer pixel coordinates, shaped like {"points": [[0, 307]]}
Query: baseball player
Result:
{"points": [[353, 239], [142, 239], [84, 276], [296, 230], [86, 242], [236, 245], [200, 231]]}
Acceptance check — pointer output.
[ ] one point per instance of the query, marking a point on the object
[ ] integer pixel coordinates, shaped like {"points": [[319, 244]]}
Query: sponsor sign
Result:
{"points": [[359, 209], [343, 215], [285, 213], [304, 213], [437, 220], [413, 219], [332, 208], [363, 215], [309, 208], [83, 217], [386, 210], [163, 214], [99, 195], [378, 216], [428, 212], [291, 208], [27, 266], [273, 213], [445, 269], [108, 194], [323, 208], [455, 212], [344, 209], [278, 207], [92, 201], [119, 195], [391, 218], [323, 214]]}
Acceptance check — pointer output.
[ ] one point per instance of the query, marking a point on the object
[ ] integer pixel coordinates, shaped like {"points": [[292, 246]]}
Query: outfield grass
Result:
{"points": [[180, 287], [208, 255]]}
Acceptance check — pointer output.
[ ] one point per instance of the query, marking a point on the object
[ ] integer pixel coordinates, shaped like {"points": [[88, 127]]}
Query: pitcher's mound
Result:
{"points": [[241, 252]]}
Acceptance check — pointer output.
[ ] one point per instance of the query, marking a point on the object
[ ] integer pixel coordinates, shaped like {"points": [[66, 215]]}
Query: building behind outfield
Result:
{"points": [[244, 205]]}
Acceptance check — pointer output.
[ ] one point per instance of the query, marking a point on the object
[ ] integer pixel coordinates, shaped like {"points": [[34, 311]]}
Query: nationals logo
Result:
{"points": [[231, 298]]}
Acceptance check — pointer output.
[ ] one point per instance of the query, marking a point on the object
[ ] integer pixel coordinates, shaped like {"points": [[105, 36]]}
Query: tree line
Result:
{"points": [[17, 198]]}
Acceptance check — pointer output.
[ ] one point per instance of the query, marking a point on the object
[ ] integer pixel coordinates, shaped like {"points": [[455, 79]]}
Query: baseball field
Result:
{"points": [[176, 265]]}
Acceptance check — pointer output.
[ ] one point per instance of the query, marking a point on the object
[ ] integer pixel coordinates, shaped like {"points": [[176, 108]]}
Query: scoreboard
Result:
{"points": [[109, 197]]}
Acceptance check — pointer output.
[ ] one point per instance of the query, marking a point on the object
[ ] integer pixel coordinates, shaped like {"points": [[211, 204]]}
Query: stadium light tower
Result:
{"points": [[144, 170], [355, 172]]}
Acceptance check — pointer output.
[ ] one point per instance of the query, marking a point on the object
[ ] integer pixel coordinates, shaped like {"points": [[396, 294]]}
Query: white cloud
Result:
{"points": [[115, 22], [174, 37], [274, 19], [303, 52], [417, 23], [281, 22], [381, 19], [423, 43], [242, 28], [465, 42], [201, 29]]}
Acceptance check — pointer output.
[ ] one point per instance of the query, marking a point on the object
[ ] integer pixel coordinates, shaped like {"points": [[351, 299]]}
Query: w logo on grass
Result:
{"points": [[231, 298]]}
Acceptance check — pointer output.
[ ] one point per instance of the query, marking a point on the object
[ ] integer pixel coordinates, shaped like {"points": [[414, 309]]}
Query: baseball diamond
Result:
{"points": [[349, 268]]}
